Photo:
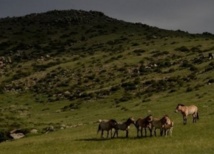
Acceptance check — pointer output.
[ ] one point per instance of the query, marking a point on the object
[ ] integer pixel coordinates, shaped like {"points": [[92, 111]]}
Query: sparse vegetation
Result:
{"points": [[61, 71]]}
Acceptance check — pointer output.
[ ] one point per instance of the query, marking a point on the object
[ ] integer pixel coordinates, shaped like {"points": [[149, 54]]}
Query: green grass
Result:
{"points": [[191, 138], [89, 60]]}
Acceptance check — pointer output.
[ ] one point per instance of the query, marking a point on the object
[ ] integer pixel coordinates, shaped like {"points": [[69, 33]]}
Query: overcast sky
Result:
{"points": [[194, 16]]}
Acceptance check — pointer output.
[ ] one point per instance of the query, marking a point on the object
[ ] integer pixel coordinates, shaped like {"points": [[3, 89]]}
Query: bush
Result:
{"points": [[138, 52], [126, 97], [193, 68], [210, 67], [185, 64], [182, 49], [129, 86], [189, 89], [20, 74]]}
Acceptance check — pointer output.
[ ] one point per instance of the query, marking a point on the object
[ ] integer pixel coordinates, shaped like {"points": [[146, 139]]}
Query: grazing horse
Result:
{"points": [[188, 110], [167, 129], [160, 123], [124, 126], [144, 123], [106, 125]]}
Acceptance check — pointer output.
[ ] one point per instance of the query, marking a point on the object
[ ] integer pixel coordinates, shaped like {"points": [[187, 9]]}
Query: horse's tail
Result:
{"points": [[197, 116], [99, 128]]}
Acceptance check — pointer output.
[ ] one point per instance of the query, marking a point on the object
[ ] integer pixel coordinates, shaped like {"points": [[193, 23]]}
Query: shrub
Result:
{"points": [[126, 97], [195, 49], [210, 67], [182, 49], [193, 68], [20, 74], [189, 89], [185, 64], [129, 86], [138, 52]]}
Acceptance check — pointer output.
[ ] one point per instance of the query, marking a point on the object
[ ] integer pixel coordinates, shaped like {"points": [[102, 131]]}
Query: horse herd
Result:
{"points": [[164, 124]]}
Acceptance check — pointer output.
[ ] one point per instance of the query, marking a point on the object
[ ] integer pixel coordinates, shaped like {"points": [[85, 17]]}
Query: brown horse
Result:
{"points": [[144, 123], [106, 125], [159, 123], [124, 126], [188, 110], [167, 129]]}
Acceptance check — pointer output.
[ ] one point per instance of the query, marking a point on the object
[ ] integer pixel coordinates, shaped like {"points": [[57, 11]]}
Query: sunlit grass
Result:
{"points": [[83, 139]]}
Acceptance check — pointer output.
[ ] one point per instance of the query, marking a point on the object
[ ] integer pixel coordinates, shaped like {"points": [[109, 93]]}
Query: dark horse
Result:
{"points": [[188, 110], [124, 126], [144, 123], [106, 125]]}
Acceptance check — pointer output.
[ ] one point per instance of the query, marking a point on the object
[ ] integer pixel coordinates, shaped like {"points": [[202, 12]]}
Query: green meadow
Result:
{"points": [[83, 138], [62, 71]]}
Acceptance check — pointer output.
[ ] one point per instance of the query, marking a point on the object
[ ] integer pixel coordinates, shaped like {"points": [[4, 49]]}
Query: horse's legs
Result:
{"points": [[145, 133], [113, 134], [184, 120], [116, 132], [150, 130], [137, 131], [194, 117], [166, 132], [141, 132], [155, 132], [127, 133], [107, 133], [162, 132], [101, 133]]}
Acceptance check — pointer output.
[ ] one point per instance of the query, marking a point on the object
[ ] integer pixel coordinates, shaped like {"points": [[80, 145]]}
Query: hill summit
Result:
{"points": [[88, 56]]}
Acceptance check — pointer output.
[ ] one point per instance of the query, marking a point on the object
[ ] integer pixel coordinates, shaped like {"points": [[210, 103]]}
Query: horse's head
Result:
{"points": [[149, 118], [165, 119], [130, 121], [178, 108], [113, 123]]}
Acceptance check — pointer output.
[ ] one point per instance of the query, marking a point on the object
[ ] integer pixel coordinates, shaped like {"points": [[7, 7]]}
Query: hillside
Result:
{"points": [[59, 65]]}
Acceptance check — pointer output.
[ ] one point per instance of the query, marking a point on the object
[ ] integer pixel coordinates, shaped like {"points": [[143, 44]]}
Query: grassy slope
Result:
{"points": [[103, 64], [192, 138]]}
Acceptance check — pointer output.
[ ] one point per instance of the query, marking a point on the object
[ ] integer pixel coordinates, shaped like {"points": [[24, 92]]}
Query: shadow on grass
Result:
{"points": [[93, 139], [108, 139]]}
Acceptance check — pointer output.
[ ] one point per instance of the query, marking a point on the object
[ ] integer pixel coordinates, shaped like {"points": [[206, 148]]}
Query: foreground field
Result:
{"points": [[84, 140], [191, 138]]}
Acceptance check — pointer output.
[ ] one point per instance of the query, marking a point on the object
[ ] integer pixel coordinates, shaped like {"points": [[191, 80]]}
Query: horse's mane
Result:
{"points": [[113, 120], [181, 105]]}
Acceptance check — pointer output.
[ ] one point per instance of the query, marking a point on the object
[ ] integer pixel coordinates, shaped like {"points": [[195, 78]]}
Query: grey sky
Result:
{"points": [[194, 16]]}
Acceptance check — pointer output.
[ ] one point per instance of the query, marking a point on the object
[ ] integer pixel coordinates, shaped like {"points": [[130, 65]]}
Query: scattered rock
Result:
{"points": [[34, 131], [16, 136]]}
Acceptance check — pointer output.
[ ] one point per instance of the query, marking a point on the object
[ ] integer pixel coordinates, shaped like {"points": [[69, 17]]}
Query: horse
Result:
{"points": [[188, 110], [144, 123], [167, 129], [106, 125], [159, 123], [124, 126]]}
